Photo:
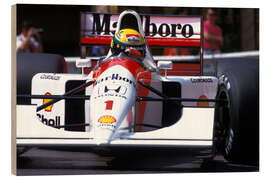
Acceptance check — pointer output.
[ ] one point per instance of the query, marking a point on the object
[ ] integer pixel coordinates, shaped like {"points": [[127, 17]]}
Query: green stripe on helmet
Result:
{"points": [[116, 41]]}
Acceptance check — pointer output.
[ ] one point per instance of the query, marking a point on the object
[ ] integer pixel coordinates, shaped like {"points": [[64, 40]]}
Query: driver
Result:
{"points": [[130, 42]]}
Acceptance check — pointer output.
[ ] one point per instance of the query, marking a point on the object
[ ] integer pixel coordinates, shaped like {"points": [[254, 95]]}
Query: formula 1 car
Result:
{"points": [[125, 102]]}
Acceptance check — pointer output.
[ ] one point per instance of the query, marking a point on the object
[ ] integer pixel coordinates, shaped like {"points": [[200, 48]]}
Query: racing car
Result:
{"points": [[127, 100]]}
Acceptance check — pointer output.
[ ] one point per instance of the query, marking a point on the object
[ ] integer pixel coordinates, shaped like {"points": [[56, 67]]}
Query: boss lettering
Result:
{"points": [[206, 80]]}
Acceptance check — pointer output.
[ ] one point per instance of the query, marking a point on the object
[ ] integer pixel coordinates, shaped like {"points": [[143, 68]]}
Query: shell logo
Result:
{"points": [[49, 108], [203, 104], [107, 119]]}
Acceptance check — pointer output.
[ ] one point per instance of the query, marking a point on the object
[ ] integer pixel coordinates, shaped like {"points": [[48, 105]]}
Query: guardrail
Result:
{"points": [[209, 61], [247, 54]]}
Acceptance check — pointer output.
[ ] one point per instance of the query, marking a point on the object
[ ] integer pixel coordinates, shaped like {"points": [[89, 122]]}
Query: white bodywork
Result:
{"points": [[194, 128], [113, 96]]}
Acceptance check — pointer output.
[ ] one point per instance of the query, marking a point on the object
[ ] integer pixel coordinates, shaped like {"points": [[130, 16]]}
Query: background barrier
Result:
{"points": [[210, 62]]}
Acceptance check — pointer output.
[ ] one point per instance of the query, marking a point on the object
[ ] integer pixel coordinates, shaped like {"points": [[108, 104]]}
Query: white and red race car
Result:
{"points": [[120, 102]]}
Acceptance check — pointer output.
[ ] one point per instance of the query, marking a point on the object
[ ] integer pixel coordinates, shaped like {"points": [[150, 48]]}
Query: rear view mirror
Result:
{"points": [[83, 63], [165, 65]]}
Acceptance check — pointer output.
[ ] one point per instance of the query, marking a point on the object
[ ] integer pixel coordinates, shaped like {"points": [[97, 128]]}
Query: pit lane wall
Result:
{"points": [[212, 64]]}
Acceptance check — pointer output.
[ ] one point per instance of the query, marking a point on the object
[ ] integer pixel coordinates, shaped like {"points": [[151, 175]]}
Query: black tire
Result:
{"points": [[29, 64], [237, 122], [21, 150]]}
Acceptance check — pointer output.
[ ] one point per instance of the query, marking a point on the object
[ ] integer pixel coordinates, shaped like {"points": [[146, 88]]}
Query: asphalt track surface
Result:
{"points": [[60, 162]]}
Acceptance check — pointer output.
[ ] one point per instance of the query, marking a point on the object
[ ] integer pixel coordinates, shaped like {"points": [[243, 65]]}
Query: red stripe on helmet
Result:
{"points": [[130, 35]]}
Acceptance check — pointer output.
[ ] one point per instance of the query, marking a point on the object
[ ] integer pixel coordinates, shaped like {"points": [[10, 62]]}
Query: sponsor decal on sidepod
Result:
{"points": [[49, 122], [48, 108], [48, 76], [201, 80]]}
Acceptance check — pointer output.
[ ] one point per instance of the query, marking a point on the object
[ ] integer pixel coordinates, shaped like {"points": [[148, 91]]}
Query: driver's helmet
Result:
{"points": [[130, 42]]}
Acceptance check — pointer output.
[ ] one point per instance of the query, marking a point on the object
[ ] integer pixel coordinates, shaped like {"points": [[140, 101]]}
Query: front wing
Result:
{"points": [[193, 130]]}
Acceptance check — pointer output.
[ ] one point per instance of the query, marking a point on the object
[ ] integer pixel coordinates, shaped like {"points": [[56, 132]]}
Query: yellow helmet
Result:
{"points": [[127, 38]]}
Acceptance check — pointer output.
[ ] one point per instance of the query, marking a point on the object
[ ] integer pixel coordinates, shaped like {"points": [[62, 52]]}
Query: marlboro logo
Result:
{"points": [[103, 24], [107, 119], [115, 77], [49, 108]]}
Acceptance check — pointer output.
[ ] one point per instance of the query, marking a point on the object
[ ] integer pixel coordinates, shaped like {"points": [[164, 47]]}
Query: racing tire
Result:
{"points": [[237, 120], [29, 64]]}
